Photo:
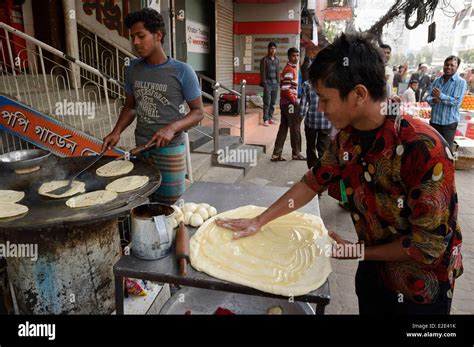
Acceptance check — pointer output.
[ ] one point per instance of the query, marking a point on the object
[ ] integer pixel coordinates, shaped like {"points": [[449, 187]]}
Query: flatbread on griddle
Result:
{"points": [[76, 188], [127, 183], [11, 196], [94, 198], [115, 168], [11, 210], [27, 170]]}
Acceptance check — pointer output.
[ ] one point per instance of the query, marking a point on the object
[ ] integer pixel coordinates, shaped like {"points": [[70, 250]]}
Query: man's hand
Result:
{"points": [[436, 93], [341, 242], [163, 136], [436, 101], [110, 141], [240, 227], [396, 98]]}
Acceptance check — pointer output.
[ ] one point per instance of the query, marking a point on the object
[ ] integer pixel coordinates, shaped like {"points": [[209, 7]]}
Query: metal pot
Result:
{"points": [[152, 230]]}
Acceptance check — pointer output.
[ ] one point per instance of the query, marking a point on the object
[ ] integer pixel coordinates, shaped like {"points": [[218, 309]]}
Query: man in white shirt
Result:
{"points": [[387, 51], [410, 94]]}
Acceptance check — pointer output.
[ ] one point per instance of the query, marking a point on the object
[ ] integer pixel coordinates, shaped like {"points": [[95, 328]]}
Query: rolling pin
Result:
{"points": [[182, 248]]}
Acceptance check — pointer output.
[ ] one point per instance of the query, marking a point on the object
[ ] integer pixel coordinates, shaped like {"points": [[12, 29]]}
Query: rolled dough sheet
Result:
{"points": [[97, 197], [11, 196], [11, 210], [76, 187], [286, 257], [115, 168], [126, 184]]}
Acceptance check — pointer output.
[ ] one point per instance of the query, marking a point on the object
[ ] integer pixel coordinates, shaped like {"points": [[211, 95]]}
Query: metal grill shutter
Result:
{"points": [[225, 42]]}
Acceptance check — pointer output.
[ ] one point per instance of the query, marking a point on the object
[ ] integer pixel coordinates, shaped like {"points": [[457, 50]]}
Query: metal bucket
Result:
{"points": [[152, 230]]}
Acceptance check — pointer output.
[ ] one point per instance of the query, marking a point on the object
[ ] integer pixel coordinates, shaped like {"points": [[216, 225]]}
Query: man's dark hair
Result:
{"points": [[453, 57], [272, 44], [292, 50], [152, 21], [412, 81], [383, 45], [350, 60]]}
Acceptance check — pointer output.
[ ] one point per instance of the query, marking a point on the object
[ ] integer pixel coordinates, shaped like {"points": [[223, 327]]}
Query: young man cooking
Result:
{"points": [[156, 87], [396, 175]]}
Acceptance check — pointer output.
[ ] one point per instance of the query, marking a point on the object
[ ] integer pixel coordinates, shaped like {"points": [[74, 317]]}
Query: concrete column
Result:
{"points": [[72, 43], [28, 24]]}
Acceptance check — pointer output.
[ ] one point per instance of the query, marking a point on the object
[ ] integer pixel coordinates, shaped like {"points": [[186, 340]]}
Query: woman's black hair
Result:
{"points": [[350, 60], [152, 21]]}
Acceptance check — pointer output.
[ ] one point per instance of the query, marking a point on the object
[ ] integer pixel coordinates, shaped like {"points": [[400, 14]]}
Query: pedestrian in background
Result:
{"points": [[270, 81], [445, 97], [317, 128], [289, 110]]}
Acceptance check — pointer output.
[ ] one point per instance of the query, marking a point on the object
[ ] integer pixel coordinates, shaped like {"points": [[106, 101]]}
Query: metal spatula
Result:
{"points": [[62, 190]]}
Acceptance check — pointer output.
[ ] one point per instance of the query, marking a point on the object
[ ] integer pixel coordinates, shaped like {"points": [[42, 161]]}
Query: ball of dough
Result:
{"points": [[179, 218], [177, 209], [187, 217], [196, 220], [190, 206], [178, 214], [204, 205], [175, 223], [211, 210], [275, 310], [203, 212]]}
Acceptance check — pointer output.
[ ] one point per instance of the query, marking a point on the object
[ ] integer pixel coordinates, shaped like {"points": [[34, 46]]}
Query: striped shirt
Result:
{"points": [[452, 93], [289, 85], [309, 109]]}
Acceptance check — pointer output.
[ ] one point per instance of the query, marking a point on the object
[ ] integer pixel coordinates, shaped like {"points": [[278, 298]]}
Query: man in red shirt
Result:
{"points": [[289, 110], [395, 174]]}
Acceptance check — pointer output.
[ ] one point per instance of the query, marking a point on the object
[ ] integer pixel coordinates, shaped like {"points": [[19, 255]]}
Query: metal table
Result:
{"points": [[224, 197]]}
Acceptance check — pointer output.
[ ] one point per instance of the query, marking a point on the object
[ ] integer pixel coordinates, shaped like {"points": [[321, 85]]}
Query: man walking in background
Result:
{"points": [[317, 128], [289, 110], [445, 97], [270, 81]]}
